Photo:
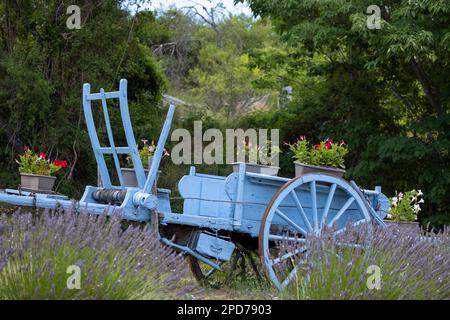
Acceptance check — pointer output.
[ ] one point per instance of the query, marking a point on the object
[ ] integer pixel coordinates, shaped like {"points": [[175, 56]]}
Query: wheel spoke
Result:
{"points": [[341, 212], [289, 221], [213, 270], [300, 208], [288, 255], [282, 238], [291, 275], [355, 224], [328, 203], [314, 204]]}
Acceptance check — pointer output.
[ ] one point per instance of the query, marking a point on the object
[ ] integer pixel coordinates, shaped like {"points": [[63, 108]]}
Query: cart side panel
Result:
{"points": [[205, 196]]}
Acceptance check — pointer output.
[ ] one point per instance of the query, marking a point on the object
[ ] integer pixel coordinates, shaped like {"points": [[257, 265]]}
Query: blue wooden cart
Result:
{"points": [[224, 219]]}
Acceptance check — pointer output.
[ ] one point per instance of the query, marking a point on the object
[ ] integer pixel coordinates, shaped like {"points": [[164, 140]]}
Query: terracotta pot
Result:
{"points": [[257, 168], [35, 182], [301, 169]]}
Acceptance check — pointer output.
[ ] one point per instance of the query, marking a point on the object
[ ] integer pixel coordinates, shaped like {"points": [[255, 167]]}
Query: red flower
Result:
{"points": [[42, 155], [25, 148], [329, 141], [317, 146], [327, 146], [60, 163]]}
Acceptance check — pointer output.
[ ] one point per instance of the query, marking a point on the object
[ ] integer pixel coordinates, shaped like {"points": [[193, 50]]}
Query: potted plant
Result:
{"points": [[262, 156], [36, 171], [325, 157], [404, 209], [146, 154]]}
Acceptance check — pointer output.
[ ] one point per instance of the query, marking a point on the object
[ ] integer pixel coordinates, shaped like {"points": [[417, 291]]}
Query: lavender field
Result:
{"points": [[40, 250]]}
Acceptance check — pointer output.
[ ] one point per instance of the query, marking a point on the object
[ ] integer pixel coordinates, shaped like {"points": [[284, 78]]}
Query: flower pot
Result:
{"points": [[149, 163], [257, 168], [405, 226], [35, 182], [130, 179], [301, 169]]}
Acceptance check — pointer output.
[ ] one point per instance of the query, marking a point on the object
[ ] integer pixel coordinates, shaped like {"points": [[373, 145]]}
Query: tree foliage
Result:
{"points": [[43, 65], [385, 91]]}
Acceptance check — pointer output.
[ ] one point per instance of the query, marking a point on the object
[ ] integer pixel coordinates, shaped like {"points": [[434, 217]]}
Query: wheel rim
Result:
{"points": [[301, 208]]}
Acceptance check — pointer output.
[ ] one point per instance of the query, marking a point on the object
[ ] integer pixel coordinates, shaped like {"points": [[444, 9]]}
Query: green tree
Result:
{"points": [[385, 90], [43, 66]]}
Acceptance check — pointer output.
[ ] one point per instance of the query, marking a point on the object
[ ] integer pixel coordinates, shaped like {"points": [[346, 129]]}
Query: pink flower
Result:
{"points": [[302, 138], [42, 155], [327, 146]]}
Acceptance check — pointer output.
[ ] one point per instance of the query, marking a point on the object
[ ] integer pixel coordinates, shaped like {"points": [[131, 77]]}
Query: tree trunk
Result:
{"points": [[430, 91]]}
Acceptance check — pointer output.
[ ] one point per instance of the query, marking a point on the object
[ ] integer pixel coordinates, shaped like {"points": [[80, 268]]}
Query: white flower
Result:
{"points": [[420, 193], [421, 201], [400, 195], [416, 208], [394, 201]]}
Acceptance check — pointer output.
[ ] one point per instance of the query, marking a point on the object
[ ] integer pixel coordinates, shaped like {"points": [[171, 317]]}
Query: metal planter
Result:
{"points": [[405, 226], [301, 169], [35, 182], [130, 180], [257, 168]]}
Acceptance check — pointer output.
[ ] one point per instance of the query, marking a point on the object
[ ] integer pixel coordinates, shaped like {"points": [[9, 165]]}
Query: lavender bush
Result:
{"points": [[36, 251], [413, 265]]}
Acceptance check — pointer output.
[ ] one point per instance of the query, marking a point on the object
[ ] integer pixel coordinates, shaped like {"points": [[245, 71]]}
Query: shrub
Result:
{"points": [[114, 263], [406, 206], [325, 153], [413, 266]]}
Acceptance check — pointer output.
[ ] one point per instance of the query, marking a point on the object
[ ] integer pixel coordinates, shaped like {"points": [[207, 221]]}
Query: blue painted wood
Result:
{"points": [[111, 138], [87, 107], [236, 203], [159, 151], [129, 135], [205, 196], [99, 151], [214, 247]]}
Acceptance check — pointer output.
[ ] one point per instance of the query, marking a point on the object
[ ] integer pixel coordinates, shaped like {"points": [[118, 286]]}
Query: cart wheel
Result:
{"points": [[242, 264], [300, 208]]}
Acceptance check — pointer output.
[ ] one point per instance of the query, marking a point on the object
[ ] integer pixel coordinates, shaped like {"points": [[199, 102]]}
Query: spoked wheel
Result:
{"points": [[242, 264], [303, 207]]}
